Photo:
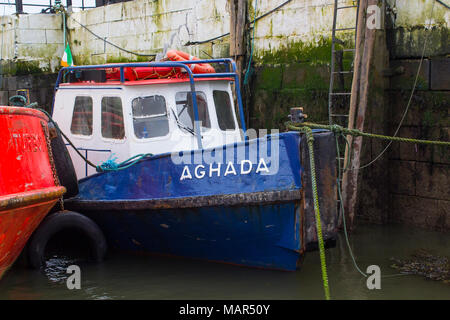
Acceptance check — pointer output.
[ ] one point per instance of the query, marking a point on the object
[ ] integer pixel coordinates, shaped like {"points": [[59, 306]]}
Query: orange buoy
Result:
{"points": [[141, 73], [175, 55]]}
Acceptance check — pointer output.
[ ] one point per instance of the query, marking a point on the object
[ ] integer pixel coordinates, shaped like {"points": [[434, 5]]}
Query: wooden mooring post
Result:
{"points": [[238, 47], [370, 42], [238, 12]]}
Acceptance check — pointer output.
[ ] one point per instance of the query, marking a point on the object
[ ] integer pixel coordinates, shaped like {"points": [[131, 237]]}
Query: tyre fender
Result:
{"points": [[63, 162], [57, 222]]}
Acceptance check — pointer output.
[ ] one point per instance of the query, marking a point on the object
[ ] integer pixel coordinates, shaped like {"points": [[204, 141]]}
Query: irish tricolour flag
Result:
{"points": [[66, 60]]}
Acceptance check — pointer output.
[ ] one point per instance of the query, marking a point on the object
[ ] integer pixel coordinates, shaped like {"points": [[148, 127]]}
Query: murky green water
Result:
{"points": [[125, 276]]}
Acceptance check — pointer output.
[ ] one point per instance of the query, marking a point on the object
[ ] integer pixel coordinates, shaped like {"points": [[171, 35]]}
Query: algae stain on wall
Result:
{"points": [[294, 74]]}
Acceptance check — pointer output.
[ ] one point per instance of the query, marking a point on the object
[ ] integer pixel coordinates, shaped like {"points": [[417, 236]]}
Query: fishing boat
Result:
{"points": [[29, 186], [167, 168]]}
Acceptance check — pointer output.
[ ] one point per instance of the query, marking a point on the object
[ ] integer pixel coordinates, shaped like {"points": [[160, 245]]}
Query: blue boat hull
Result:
{"points": [[254, 217], [264, 236]]}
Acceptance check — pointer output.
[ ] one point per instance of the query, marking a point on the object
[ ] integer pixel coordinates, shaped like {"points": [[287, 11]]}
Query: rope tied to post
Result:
{"points": [[337, 129], [310, 140], [306, 128]]}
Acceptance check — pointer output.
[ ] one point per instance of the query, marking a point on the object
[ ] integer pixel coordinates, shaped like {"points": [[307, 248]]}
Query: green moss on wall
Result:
{"points": [[157, 15], [436, 110], [294, 75], [82, 59], [121, 59], [21, 67], [409, 42], [269, 78], [315, 53]]}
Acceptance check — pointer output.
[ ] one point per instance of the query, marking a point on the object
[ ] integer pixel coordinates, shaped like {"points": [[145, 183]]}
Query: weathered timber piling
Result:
{"points": [[367, 110], [238, 13]]}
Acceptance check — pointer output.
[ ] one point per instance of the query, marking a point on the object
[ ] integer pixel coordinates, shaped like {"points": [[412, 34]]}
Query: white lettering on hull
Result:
{"points": [[245, 166]]}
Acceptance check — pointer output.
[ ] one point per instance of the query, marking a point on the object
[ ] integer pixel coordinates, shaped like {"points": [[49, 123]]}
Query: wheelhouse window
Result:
{"points": [[112, 118], [150, 117], [185, 110], [82, 116], [223, 110]]}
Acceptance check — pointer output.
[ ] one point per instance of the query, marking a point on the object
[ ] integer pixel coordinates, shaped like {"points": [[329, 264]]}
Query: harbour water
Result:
{"points": [[129, 276]]}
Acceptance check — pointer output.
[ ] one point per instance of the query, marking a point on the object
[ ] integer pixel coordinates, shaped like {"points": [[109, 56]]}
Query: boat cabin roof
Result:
{"points": [[122, 75]]}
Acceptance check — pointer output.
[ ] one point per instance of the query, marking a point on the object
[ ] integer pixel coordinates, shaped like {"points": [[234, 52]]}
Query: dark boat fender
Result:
{"points": [[63, 162], [326, 174], [60, 221]]}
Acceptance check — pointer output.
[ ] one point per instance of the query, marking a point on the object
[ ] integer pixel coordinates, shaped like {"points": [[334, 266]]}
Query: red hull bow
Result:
{"points": [[29, 186]]}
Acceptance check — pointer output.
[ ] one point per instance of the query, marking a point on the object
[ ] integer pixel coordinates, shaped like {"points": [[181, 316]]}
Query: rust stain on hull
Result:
{"points": [[23, 199]]}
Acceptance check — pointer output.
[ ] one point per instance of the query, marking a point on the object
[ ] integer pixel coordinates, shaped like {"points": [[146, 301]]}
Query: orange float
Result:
{"points": [[141, 73], [179, 56]]}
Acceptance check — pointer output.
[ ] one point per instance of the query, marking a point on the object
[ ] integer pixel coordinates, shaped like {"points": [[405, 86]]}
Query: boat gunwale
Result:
{"points": [[235, 199], [27, 198], [23, 111]]}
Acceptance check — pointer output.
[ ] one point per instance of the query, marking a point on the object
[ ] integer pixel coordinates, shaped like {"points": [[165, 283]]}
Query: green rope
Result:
{"points": [[306, 127], [18, 101], [357, 133], [310, 139], [111, 165]]}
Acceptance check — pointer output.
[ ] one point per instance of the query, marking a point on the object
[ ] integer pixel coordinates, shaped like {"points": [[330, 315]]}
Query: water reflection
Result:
{"points": [[125, 276]]}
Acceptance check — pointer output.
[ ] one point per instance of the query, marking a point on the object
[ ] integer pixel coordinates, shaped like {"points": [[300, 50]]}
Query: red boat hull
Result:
{"points": [[29, 186]]}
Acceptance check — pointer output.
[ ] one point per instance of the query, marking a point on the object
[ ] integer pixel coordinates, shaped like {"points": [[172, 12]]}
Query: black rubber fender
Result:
{"points": [[63, 162], [57, 222]]}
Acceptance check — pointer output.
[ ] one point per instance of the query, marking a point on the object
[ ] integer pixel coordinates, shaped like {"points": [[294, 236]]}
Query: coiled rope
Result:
{"points": [[111, 165]]}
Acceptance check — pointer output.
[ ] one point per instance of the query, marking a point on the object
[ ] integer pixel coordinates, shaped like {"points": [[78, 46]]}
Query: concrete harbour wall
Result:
{"points": [[31, 43]]}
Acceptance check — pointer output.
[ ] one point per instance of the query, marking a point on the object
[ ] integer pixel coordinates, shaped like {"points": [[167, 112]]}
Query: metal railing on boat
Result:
{"points": [[184, 65]]}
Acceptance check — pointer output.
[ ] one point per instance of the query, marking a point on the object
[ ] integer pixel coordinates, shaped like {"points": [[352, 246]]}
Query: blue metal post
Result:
{"points": [[241, 108], [122, 75]]}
